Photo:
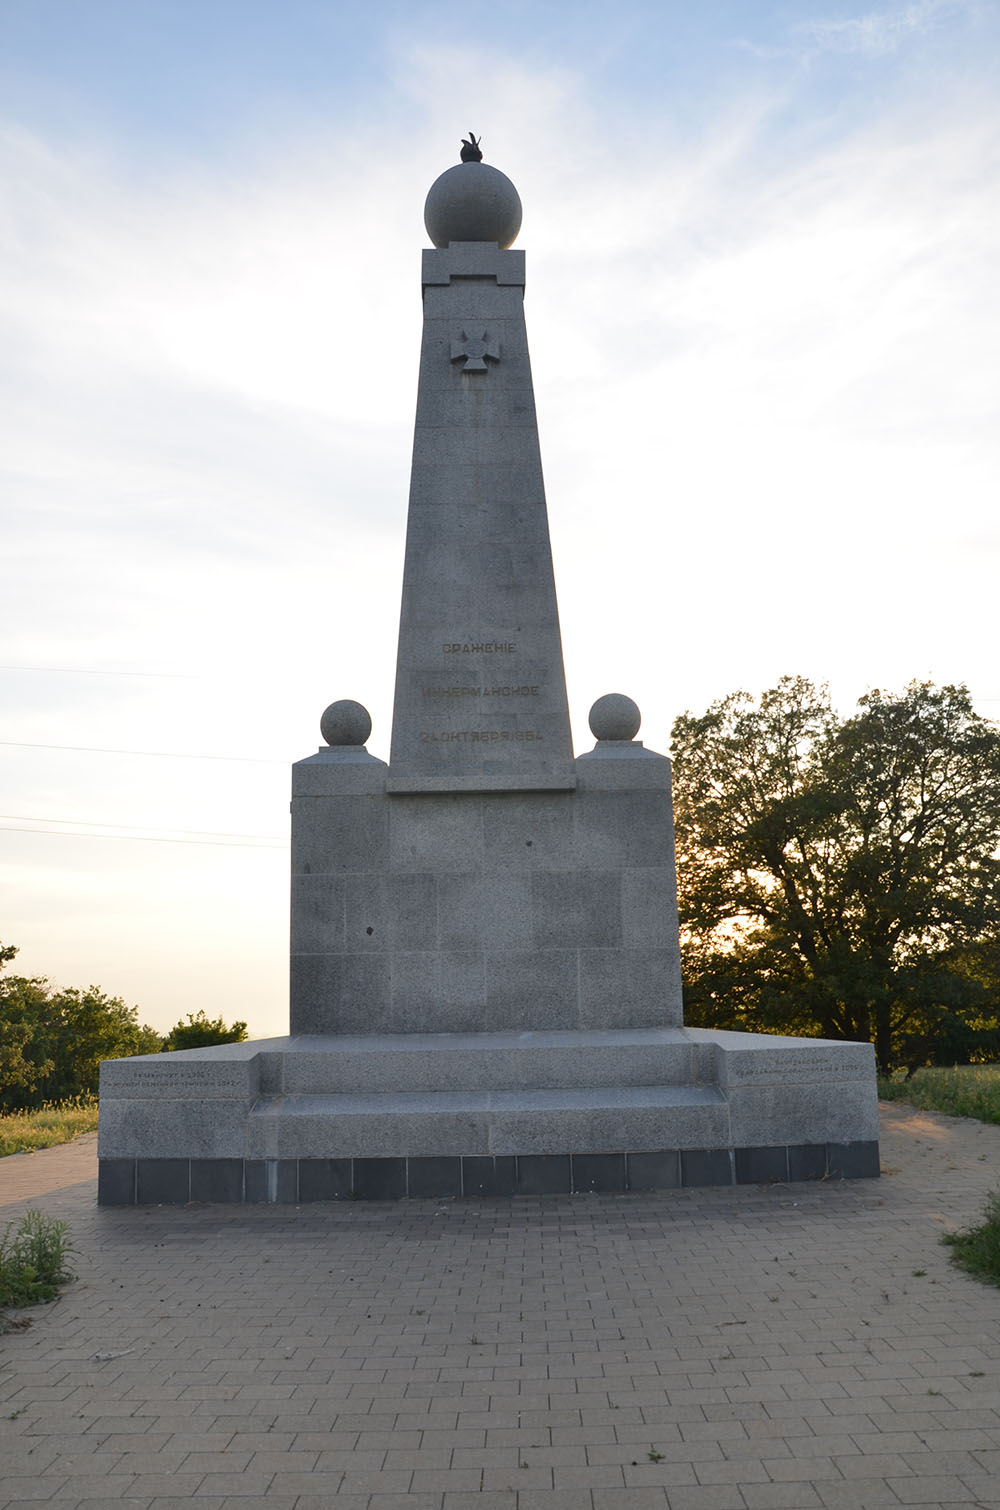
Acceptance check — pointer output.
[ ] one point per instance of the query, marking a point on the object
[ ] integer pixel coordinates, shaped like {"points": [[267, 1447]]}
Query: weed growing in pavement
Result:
{"points": [[33, 1260], [978, 1250]]}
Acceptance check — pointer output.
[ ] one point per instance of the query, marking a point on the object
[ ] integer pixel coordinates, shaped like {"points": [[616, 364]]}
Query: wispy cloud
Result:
{"points": [[880, 31]]}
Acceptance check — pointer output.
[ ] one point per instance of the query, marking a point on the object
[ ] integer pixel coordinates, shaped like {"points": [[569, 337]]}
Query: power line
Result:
{"points": [[173, 676], [203, 833], [21, 744], [139, 838]]}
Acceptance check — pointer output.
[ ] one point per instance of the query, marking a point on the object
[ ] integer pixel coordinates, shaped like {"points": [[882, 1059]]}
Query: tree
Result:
{"points": [[199, 1032], [840, 877], [20, 1072], [52, 1041]]}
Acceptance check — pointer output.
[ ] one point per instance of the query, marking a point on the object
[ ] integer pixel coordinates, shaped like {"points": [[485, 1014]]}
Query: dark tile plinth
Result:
{"points": [[489, 1177], [325, 1180], [161, 1182], [217, 1180], [654, 1171], [544, 1174], [852, 1161], [761, 1166]]}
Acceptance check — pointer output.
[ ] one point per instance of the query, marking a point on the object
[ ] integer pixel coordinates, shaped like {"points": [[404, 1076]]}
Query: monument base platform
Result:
{"points": [[311, 1117]]}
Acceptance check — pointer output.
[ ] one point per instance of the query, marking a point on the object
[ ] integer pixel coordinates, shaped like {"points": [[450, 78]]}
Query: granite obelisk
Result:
{"points": [[485, 977], [480, 689]]}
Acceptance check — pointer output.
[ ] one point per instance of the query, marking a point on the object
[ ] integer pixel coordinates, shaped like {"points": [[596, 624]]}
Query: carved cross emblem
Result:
{"points": [[475, 349]]}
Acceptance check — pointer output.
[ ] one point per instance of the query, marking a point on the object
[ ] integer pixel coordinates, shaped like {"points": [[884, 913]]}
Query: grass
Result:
{"points": [[55, 1122], [33, 1258], [978, 1250], [967, 1090]]}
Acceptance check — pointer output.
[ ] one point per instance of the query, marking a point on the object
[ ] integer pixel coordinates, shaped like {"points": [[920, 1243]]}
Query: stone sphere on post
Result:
{"points": [[472, 202], [346, 723], [615, 716]]}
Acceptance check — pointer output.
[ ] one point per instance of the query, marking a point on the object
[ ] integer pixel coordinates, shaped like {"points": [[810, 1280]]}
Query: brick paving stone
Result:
{"points": [[705, 1497], [780, 1496], [931, 1489]]}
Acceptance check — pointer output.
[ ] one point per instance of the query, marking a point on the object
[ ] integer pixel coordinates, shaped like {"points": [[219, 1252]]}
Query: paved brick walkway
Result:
{"points": [[714, 1349]]}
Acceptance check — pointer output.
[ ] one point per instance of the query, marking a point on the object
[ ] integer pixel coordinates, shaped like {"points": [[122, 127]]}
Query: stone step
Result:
{"points": [[405, 1062], [602, 1119]]}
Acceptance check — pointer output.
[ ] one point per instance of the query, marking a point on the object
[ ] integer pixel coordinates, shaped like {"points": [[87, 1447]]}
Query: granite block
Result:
{"points": [[438, 992], [630, 988], [173, 1129], [435, 834], [473, 1061], [760, 1058], [471, 259], [489, 910], [335, 773], [369, 1126], [533, 831], [649, 909], [623, 768], [611, 1120], [622, 830], [531, 989], [340, 993], [318, 912], [391, 912], [191, 1074], [577, 909], [832, 1111], [335, 835]]}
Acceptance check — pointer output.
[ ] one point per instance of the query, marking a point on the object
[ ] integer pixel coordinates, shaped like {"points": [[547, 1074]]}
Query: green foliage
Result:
{"points": [[52, 1041], [200, 1032], [978, 1251], [964, 1091], [52, 1123], [840, 877], [33, 1260]]}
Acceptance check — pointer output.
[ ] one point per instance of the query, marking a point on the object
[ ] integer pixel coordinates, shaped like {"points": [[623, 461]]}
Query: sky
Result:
{"points": [[762, 245]]}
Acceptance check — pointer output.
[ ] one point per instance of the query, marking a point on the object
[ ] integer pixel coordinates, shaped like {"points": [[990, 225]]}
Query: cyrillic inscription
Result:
{"points": [[479, 691], [481, 647], [479, 736]]}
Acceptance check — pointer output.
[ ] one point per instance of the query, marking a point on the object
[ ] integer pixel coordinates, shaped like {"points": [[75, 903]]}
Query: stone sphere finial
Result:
{"points": [[346, 723], [472, 202], [615, 716]]}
